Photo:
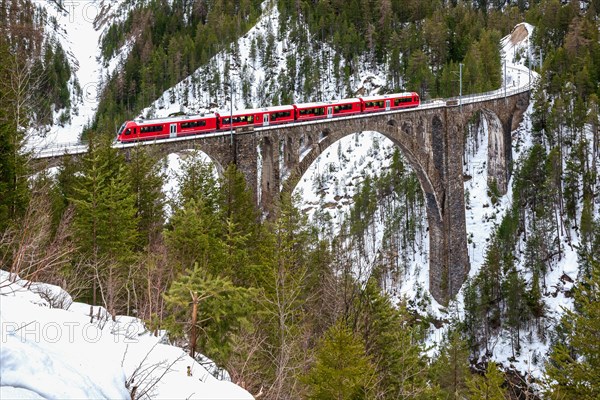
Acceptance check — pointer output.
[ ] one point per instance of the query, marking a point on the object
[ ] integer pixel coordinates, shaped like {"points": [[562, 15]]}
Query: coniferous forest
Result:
{"points": [[274, 301]]}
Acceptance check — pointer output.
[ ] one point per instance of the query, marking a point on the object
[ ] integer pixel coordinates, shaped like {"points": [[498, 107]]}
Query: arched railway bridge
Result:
{"points": [[431, 137]]}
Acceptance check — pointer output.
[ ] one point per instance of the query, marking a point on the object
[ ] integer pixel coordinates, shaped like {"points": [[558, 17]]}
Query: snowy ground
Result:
{"points": [[51, 348]]}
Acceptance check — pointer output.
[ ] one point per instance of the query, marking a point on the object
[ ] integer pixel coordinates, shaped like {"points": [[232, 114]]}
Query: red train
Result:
{"points": [[171, 127]]}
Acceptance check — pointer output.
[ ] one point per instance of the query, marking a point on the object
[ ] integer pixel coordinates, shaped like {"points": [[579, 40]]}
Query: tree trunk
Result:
{"points": [[194, 333]]}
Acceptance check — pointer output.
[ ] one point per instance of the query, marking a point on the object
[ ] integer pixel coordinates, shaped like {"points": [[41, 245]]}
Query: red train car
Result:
{"points": [[330, 109], [257, 117], [140, 129], [389, 102]]}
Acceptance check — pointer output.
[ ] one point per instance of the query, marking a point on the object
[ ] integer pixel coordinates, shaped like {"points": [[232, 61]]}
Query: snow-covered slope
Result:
{"points": [[52, 348], [79, 27], [240, 65]]}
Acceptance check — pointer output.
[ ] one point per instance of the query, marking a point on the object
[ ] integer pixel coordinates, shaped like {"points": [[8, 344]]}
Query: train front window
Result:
{"points": [[121, 129]]}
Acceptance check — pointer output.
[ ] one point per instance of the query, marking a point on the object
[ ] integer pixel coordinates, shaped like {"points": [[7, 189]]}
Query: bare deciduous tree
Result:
{"points": [[36, 252]]}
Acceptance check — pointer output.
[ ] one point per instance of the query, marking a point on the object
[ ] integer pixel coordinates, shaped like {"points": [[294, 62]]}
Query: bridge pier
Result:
{"points": [[457, 265]]}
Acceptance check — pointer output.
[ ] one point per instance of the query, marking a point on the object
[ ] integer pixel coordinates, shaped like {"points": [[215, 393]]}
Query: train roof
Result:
{"points": [[328, 103], [225, 114], [387, 96], [142, 121]]}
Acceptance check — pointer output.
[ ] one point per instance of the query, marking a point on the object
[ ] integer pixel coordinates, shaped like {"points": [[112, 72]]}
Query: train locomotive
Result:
{"points": [[179, 126]]}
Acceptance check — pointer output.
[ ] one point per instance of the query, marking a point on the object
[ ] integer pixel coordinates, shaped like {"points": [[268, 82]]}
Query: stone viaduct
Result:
{"points": [[430, 137]]}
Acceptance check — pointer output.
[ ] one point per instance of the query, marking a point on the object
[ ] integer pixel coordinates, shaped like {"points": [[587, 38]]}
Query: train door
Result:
{"points": [[329, 112], [387, 105], [265, 119], [173, 132]]}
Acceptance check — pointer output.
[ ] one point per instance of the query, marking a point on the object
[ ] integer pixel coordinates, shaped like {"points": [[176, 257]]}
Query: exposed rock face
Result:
{"points": [[497, 162]]}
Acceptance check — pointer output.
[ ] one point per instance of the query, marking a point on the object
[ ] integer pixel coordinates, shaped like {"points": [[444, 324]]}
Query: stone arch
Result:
{"points": [[422, 140], [401, 133], [182, 153]]}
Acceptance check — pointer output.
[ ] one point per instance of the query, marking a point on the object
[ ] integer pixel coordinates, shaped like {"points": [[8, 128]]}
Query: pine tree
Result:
{"points": [[147, 178], [342, 370], [13, 124], [196, 181], [284, 256], [240, 223], [211, 307], [487, 387], [394, 342], [193, 237], [451, 369], [105, 221]]}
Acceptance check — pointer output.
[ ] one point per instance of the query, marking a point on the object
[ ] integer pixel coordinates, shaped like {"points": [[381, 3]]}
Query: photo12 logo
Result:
{"points": [[71, 332], [91, 92], [87, 10]]}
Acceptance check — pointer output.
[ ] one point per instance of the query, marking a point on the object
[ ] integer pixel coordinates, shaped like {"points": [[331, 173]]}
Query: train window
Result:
{"points": [[192, 124], [281, 114], [225, 121], [402, 100], [343, 107], [313, 111], [152, 128], [128, 131]]}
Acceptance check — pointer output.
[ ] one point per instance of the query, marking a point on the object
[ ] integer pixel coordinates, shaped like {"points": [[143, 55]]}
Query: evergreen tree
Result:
{"points": [[284, 256], [211, 307], [193, 237], [147, 178], [487, 387], [196, 181], [394, 342], [342, 370], [240, 222], [451, 369], [105, 221], [13, 158], [574, 365]]}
